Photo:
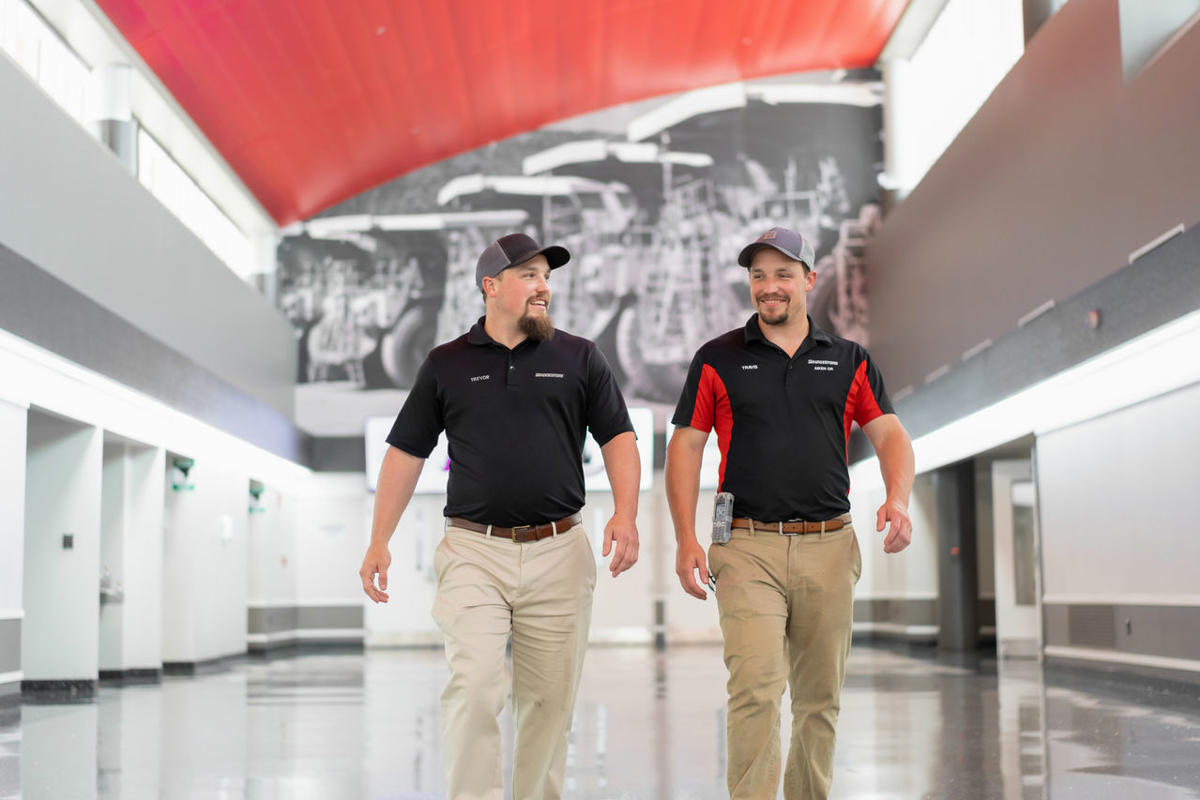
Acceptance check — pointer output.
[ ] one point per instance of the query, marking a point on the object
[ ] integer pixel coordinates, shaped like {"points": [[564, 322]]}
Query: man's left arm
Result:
{"points": [[624, 468], [896, 462]]}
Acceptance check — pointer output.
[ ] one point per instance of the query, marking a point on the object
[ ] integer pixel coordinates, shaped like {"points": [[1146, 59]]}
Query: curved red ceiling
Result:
{"points": [[315, 101]]}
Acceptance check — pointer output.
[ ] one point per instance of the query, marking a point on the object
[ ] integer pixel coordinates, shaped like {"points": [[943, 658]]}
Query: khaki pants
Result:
{"points": [[540, 593], [785, 605]]}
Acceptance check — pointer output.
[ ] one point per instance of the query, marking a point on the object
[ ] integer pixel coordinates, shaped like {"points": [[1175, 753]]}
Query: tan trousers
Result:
{"points": [[540, 593], [785, 606]]}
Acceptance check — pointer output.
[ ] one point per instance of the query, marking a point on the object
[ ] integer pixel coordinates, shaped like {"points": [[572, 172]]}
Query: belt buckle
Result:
{"points": [[522, 537], [782, 532]]}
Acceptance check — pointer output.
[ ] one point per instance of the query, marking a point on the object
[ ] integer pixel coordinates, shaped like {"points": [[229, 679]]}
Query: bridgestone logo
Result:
{"points": [[822, 365], [547, 375]]}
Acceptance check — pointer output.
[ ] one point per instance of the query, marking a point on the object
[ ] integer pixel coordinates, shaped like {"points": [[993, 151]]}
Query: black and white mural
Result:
{"points": [[653, 201]]}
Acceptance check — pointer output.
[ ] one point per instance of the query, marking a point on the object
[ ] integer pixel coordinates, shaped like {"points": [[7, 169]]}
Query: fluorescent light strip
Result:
{"points": [[1150, 365], [51, 382]]}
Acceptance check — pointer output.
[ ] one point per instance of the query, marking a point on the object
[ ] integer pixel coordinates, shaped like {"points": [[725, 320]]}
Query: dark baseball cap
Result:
{"points": [[785, 240], [513, 249]]}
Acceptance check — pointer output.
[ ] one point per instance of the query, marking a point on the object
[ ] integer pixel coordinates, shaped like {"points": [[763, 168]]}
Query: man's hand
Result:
{"points": [[900, 531], [690, 559], [624, 533], [376, 562]]}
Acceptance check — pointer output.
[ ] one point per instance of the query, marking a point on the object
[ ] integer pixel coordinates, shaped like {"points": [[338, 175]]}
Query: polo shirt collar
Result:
{"points": [[754, 333], [478, 335]]}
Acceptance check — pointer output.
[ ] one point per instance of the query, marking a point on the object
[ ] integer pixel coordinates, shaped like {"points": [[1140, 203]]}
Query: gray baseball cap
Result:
{"points": [[786, 241], [513, 249]]}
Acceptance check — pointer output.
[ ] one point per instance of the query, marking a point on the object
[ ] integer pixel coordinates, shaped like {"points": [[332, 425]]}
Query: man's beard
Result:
{"points": [[539, 328], [783, 315]]}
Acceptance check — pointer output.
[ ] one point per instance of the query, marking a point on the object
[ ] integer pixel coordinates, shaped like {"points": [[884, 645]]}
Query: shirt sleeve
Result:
{"points": [[872, 400], [697, 402], [420, 421], [607, 415]]}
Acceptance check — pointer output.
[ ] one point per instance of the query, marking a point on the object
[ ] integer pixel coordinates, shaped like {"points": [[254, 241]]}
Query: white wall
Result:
{"points": [[143, 560], [205, 565], [911, 574], [331, 537], [688, 619], [112, 552], [12, 506], [273, 561], [60, 635], [1117, 504]]}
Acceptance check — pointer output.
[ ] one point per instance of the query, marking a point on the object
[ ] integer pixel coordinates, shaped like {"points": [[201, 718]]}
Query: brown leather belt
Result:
{"points": [[791, 527], [520, 533]]}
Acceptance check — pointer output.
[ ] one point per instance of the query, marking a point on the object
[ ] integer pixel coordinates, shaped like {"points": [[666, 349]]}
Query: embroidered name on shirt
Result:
{"points": [[749, 366], [478, 378], [822, 365], [547, 375]]}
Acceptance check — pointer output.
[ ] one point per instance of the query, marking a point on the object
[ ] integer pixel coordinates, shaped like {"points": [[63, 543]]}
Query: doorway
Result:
{"points": [[1017, 578]]}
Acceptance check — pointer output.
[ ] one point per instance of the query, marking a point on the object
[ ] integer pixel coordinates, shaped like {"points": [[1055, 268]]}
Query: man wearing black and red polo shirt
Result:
{"points": [[515, 398], [782, 395]]}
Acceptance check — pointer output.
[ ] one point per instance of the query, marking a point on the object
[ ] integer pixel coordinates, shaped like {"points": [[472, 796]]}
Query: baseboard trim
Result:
{"points": [[1117, 657], [137, 675], [895, 630], [71, 687]]}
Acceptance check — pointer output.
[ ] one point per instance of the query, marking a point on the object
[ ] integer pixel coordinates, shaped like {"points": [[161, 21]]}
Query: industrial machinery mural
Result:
{"points": [[653, 218]]}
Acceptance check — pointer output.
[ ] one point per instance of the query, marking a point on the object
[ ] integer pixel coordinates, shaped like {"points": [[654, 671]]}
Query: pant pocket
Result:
{"points": [[856, 563]]}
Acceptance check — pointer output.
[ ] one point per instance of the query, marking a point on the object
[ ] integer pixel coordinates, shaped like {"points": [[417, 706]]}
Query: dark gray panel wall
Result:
{"points": [[1167, 631], [69, 206], [1061, 174]]}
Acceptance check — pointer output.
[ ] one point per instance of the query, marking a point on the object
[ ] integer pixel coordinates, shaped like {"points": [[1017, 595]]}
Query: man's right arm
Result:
{"points": [[685, 452], [397, 481]]}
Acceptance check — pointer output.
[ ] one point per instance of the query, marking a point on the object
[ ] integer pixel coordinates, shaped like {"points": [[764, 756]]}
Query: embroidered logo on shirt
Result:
{"points": [[749, 366], [547, 375], [822, 365], [478, 378]]}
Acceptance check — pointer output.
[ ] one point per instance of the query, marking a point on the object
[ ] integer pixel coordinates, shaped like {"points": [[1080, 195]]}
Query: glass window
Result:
{"points": [[54, 66], [176, 190]]}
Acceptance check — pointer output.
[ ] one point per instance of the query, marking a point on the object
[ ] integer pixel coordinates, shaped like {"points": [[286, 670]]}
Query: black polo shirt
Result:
{"points": [[515, 421], [783, 424]]}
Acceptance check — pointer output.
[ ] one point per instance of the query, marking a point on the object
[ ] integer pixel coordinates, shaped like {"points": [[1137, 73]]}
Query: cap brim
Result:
{"points": [[555, 255], [747, 254]]}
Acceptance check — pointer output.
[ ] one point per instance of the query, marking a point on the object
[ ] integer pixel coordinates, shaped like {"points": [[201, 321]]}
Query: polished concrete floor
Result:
{"points": [[648, 725]]}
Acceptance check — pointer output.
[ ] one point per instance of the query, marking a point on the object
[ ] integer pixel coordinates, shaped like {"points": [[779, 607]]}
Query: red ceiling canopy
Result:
{"points": [[315, 101]]}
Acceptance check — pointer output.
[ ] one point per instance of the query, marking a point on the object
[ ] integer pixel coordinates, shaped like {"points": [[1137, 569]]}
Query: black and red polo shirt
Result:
{"points": [[515, 421], [783, 424]]}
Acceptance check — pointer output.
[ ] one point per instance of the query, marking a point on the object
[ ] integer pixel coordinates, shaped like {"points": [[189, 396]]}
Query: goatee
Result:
{"points": [[539, 328]]}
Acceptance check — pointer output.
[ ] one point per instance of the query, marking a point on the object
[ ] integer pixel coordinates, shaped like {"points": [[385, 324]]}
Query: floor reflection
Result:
{"points": [[649, 725]]}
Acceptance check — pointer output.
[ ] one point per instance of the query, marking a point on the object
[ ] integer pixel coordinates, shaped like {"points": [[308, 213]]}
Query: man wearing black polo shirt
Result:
{"points": [[515, 398], [782, 394]]}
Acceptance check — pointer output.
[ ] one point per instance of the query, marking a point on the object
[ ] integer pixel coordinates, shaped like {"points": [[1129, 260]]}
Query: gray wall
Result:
{"points": [[1117, 513], [1061, 174], [67, 205]]}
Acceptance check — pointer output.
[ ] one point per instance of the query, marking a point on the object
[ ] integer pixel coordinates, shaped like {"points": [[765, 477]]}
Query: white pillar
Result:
{"points": [[12, 543], [60, 634]]}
